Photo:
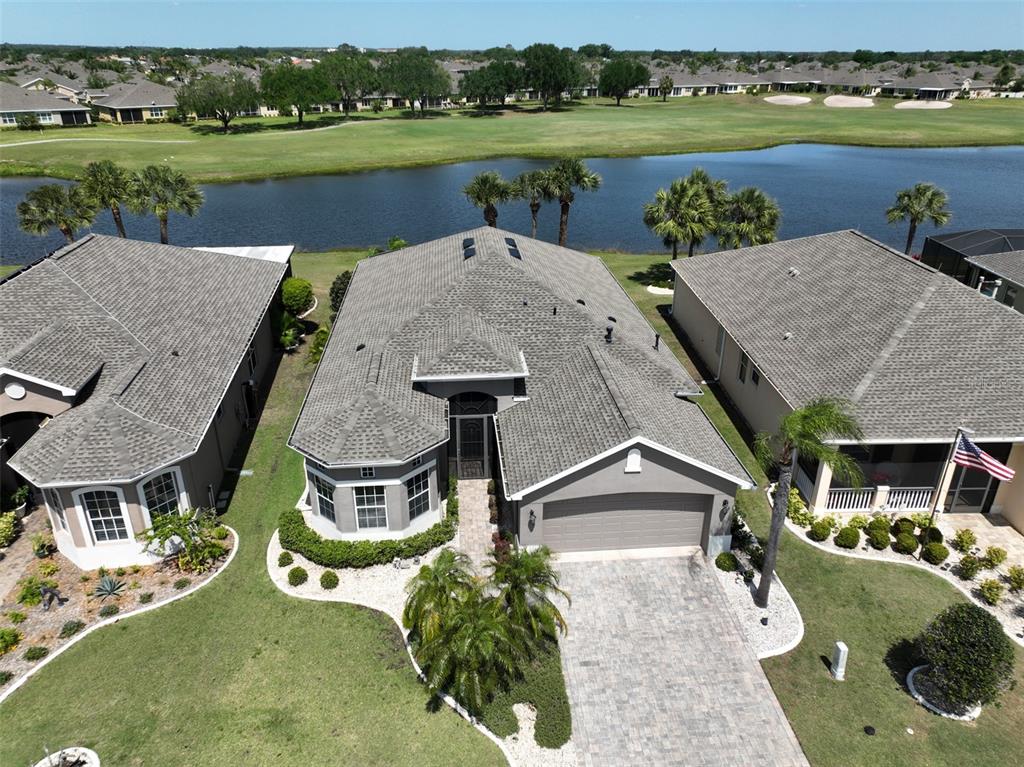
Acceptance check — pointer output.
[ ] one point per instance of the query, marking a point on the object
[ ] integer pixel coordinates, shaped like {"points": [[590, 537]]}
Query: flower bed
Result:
{"points": [[62, 623]]}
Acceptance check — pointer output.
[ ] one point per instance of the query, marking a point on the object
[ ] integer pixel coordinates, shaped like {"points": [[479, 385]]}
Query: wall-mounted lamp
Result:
{"points": [[533, 520]]}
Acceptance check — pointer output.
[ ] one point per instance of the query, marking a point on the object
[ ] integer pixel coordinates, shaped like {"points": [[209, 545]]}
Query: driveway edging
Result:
{"points": [[120, 616]]}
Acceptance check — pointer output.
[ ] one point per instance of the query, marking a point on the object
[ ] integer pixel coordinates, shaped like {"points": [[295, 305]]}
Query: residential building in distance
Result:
{"points": [[47, 108], [990, 260], [487, 354], [842, 315], [128, 372], [134, 102]]}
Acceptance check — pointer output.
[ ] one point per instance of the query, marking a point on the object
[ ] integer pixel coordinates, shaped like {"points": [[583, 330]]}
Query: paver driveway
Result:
{"points": [[658, 672]]}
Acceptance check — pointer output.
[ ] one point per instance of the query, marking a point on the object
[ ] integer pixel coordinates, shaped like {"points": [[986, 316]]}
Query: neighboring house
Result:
{"points": [[929, 86], [739, 82], [128, 371], [842, 315], [48, 109], [990, 260], [135, 102], [488, 354]]}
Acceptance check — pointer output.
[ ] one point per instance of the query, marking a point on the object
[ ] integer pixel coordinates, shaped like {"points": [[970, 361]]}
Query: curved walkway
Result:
{"points": [[9, 690], [119, 140]]}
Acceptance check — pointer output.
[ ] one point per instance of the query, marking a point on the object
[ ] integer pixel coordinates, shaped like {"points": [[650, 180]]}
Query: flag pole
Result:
{"points": [[942, 478]]}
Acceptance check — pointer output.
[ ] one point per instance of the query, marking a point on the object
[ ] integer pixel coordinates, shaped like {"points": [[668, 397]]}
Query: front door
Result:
{"points": [[472, 448]]}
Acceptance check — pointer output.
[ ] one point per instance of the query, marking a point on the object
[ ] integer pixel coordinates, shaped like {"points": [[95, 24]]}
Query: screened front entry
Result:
{"points": [[471, 427]]}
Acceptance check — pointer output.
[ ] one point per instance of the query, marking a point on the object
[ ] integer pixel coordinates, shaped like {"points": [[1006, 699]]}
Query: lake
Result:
{"points": [[820, 188]]}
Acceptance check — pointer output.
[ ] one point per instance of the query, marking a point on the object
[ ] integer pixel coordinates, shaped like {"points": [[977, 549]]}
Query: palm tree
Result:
{"points": [[564, 179], [715, 189], [525, 581], [110, 185], [159, 189], [486, 190], [803, 432], [919, 203], [433, 592], [533, 186], [56, 206], [662, 216], [478, 650], [750, 217]]}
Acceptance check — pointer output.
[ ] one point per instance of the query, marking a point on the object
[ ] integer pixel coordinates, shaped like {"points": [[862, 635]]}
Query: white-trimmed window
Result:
{"points": [[324, 497], [371, 506], [417, 460], [156, 112], [161, 494], [46, 118], [56, 506], [418, 487], [367, 472], [105, 513], [8, 118]]}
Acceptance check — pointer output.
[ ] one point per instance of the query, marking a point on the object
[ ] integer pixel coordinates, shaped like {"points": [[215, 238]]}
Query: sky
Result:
{"points": [[812, 25]]}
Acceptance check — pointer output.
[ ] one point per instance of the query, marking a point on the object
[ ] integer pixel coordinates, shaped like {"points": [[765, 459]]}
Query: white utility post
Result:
{"points": [[839, 655]]}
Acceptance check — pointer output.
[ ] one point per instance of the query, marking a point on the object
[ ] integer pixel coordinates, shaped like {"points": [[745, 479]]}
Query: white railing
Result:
{"points": [[804, 483], [850, 499], [909, 498]]}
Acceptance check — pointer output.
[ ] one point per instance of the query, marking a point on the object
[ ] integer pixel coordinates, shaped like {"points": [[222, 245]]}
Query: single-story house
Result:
{"points": [[917, 353], [990, 260], [135, 102], [48, 109], [128, 372], [1001, 276], [487, 354]]}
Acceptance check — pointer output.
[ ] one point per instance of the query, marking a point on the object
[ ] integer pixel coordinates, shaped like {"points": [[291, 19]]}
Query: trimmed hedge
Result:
{"points": [[296, 295], [903, 525], [820, 530], [328, 580], [905, 543], [727, 562], [930, 535], [968, 567], [934, 553], [878, 537], [297, 536], [297, 576], [847, 538]]}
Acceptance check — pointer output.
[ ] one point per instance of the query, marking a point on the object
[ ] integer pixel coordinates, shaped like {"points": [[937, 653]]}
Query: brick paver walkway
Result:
{"points": [[658, 672], [474, 520]]}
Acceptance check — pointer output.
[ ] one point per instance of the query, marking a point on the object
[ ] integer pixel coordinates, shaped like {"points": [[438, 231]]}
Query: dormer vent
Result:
{"points": [[513, 249]]}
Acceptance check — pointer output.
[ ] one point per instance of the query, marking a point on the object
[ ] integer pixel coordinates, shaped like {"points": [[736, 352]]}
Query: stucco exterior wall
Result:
{"points": [[37, 399], [1009, 500], [659, 473], [500, 389], [761, 405]]}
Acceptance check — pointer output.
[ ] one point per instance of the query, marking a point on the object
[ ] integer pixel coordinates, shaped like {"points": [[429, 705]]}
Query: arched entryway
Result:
{"points": [[471, 447], [15, 430]]}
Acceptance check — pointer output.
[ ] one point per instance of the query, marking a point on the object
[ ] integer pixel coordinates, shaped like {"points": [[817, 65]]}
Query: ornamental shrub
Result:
{"points": [[36, 652], [17, 617], [859, 522], [878, 538], [109, 610], [317, 346], [70, 628], [1015, 576], [991, 591], [5, 677], [338, 290], [727, 562], [968, 567], [797, 511], [29, 594], [879, 523], [297, 536], [922, 519], [8, 529], [181, 583], [328, 580], [741, 536], [847, 538], [820, 530], [994, 556], [284, 559], [934, 553], [296, 295], [297, 576], [145, 598], [903, 525], [905, 543], [756, 554], [971, 658], [964, 540], [220, 532], [930, 535], [9, 639]]}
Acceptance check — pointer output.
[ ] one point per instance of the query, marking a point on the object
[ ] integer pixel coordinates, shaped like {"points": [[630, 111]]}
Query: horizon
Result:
{"points": [[811, 26]]}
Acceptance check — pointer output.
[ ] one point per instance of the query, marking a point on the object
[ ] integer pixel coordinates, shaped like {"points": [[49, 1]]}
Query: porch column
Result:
{"points": [[1009, 500], [939, 496], [822, 483]]}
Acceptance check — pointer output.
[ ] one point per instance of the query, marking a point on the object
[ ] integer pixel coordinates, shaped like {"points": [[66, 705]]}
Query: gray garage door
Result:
{"points": [[625, 521]]}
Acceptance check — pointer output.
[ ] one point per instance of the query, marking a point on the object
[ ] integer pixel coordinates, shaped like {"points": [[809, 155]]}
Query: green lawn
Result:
{"points": [[239, 673], [264, 148]]}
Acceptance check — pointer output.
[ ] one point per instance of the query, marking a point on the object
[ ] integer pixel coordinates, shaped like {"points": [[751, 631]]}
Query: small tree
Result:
{"points": [[160, 189], [288, 86], [221, 96], [350, 74], [296, 295], [486, 190], [971, 658], [28, 121], [917, 204], [56, 206], [620, 76], [415, 75], [491, 83], [665, 86], [189, 535], [525, 582], [550, 70], [338, 290]]}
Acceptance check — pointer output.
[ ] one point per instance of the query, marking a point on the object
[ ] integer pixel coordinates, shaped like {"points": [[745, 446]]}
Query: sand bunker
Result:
{"points": [[789, 101], [924, 104], [848, 102]]}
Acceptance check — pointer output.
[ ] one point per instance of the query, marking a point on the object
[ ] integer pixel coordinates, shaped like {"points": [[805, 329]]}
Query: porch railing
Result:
{"points": [[850, 499], [909, 498]]}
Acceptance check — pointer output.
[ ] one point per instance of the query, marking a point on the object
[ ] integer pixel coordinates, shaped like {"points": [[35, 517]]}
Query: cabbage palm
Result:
{"points": [[159, 189], [486, 190], [525, 582], [803, 432], [56, 206], [662, 216], [564, 179], [110, 186], [533, 187], [749, 217], [919, 203], [433, 592]]}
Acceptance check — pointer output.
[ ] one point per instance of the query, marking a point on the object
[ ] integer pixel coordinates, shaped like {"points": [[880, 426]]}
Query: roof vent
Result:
{"points": [[468, 253], [510, 242], [554, 311], [608, 334], [793, 271], [612, 319], [787, 336], [360, 347], [174, 353], [469, 242], [581, 302], [513, 249]]}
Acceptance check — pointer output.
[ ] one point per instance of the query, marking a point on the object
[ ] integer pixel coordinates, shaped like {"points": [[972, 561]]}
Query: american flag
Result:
{"points": [[969, 455]]}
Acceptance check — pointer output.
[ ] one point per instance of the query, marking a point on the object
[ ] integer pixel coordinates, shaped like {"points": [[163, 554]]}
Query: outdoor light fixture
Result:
{"points": [[533, 520]]}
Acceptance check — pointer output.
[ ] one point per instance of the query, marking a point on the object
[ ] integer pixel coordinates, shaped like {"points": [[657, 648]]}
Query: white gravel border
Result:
{"points": [[970, 716], [91, 758], [6, 693], [655, 290], [382, 588], [785, 629], [316, 301]]}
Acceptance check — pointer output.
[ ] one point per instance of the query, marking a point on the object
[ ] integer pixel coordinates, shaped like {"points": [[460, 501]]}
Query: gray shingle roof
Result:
{"points": [[424, 302], [144, 93], [1009, 266], [917, 352], [15, 99], [166, 326]]}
